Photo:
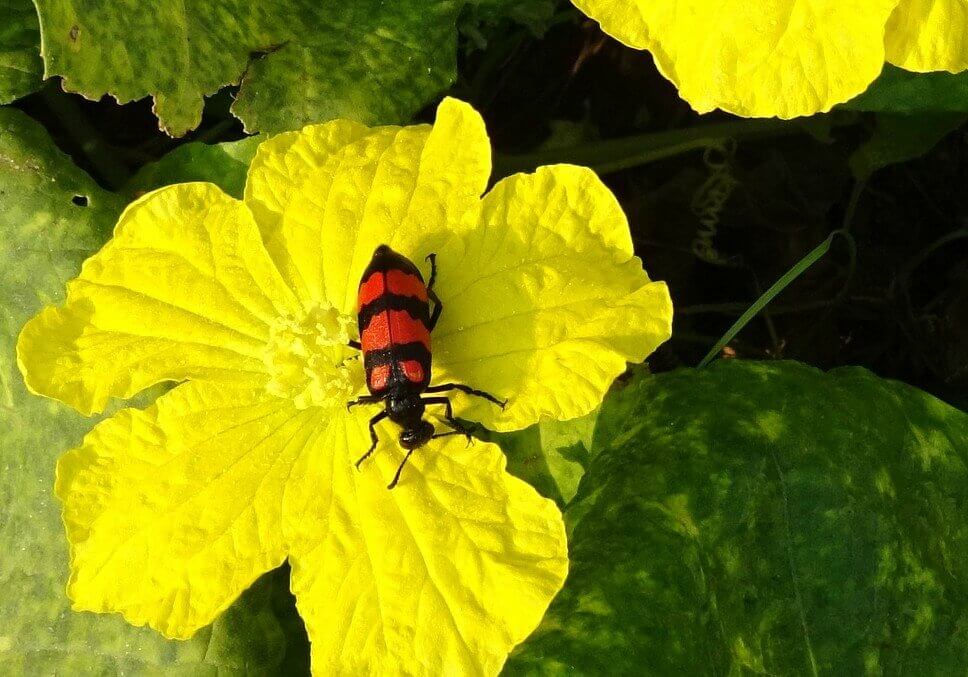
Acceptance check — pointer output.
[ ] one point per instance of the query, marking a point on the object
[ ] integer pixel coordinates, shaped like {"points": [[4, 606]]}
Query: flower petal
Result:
{"points": [[543, 301], [174, 511], [929, 35], [396, 185], [783, 58], [444, 574], [184, 289], [282, 163]]}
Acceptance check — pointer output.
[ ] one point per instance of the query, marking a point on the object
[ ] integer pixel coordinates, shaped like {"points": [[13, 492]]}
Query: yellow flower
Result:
{"points": [[785, 58], [173, 511]]}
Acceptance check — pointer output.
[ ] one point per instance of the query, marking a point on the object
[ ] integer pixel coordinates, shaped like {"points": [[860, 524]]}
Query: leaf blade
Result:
{"points": [[21, 69], [765, 517], [299, 63]]}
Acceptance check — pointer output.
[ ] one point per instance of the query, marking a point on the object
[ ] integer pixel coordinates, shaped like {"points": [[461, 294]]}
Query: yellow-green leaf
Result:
{"points": [[551, 455], [765, 518], [224, 164], [898, 138]]}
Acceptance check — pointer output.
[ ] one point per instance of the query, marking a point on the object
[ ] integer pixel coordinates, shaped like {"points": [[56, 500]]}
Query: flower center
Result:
{"points": [[309, 359]]}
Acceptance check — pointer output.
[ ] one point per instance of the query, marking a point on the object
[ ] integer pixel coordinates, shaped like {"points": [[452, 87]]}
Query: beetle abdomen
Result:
{"points": [[393, 319]]}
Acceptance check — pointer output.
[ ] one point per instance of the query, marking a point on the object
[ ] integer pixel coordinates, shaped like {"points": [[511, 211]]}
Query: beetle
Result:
{"points": [[395, 321]]}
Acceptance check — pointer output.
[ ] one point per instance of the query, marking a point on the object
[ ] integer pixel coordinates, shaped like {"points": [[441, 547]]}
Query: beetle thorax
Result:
{"points": [[404, 407]]}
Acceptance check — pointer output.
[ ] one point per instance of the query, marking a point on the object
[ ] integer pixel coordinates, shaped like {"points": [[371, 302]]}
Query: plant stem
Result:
{"points": [[771, 293], [613, 155]]}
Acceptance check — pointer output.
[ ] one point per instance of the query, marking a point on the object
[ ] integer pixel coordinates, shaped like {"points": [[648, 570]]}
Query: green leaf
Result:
{"points": [[900, 91], [296, 62], [551, 455], [535, 15], [52, 216], [898, 138], [20, 66], [766, 518], [224, 164]]}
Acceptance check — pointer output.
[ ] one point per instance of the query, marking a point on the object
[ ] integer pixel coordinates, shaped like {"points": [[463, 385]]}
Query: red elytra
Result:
{"points": [[395, 321], [389, 328]]}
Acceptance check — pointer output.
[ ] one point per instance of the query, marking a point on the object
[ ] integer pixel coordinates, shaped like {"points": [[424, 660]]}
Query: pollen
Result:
{"points": [[310, 361]]}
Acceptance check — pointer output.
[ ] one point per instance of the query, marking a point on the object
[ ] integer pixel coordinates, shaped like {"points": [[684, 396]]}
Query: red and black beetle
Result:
{"points": [[395, 321]]}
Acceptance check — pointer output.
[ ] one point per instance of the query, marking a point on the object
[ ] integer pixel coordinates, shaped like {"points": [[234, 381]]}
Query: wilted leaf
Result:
{"points": [[766, 518], [52, 216]]}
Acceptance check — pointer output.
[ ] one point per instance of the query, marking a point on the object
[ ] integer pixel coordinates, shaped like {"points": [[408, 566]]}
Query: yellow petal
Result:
{"points": [[442, 575], [399, 186], [929, 35], [184, 289], [543, 301], [282, 163], [172, 512], [783, 58]]}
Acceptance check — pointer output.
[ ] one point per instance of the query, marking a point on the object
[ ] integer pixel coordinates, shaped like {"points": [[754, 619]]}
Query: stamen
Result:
{"points": [[310, 360]]}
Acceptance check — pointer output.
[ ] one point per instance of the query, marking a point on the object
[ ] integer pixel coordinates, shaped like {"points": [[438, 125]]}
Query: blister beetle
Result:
{"points": [[395, 321]]}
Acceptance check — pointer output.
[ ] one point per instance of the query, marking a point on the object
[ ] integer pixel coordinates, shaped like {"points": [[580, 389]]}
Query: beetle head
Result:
{"points": [[416, 435]]}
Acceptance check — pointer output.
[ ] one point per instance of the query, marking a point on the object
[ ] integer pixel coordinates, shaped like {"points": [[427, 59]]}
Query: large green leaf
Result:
{"points": [[900, 91], [20, 64], [297, 62], [766, 518], [51, 217]]}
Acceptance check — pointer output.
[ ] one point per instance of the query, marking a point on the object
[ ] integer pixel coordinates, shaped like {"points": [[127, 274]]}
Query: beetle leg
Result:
{"points": [[433, 270], [438, 309], [396, 477], [449, 415], [444, 387], [374, 439], [354, 344], [363, 399], [432, 295]]}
